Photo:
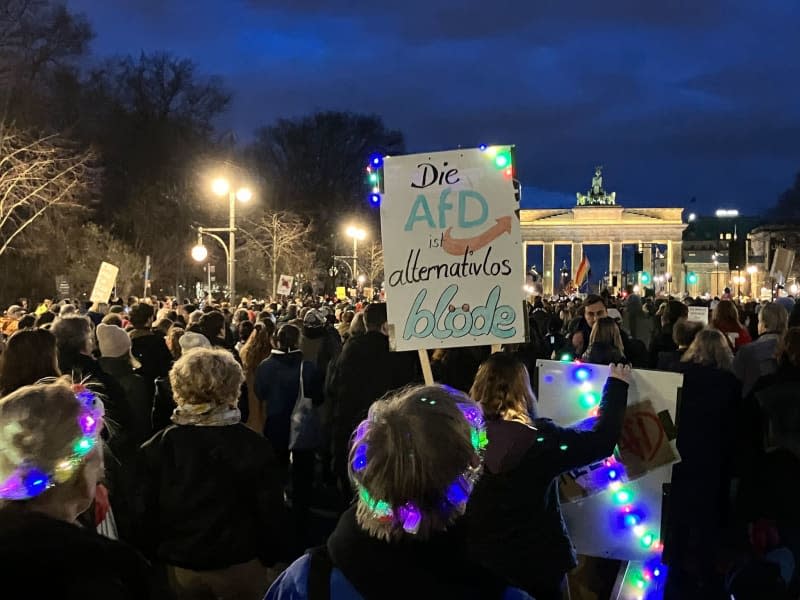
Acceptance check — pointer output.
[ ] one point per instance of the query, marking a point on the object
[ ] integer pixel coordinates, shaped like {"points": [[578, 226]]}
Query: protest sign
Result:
{"points": [[698, 314], [285, 285], [452, 250], [603, 500], [104, 284], [341, 293]]}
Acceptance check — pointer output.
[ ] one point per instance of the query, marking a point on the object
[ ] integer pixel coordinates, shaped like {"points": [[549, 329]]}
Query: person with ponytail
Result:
{"points": [[514, 522]]}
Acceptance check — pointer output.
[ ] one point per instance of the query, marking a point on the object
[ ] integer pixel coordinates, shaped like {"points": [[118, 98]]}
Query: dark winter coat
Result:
{"points": [[277, 387], [364, 372], [42, 557], [210, 497], [457, 367], [709, 421], [152, 352], [368, 568], [515, 526], [138, 399]]}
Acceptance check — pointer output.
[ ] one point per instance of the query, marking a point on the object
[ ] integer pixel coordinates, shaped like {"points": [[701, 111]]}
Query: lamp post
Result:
{"points": [[357, 234], [221, 187], [752, 270]]}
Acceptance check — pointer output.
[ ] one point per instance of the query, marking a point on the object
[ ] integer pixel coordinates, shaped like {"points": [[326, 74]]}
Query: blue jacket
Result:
{"points": [[277, 385], [292, 584]]}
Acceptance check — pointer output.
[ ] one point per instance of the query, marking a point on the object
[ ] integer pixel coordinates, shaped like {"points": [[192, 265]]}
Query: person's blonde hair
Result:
{"points": [[39, 426], [416, 443], [709, 348], [206, 376], [173, 340], [503, 389], [606, 331]]}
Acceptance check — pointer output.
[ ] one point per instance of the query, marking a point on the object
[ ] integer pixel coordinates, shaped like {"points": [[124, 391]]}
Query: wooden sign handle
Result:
{"points": [[425, 362]]}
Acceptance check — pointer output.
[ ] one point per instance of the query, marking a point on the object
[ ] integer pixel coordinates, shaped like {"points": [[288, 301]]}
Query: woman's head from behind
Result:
{"points": [[50, 450], [502, 387], [206, 376], [73, 335], [415, 460], [258, 345], [685, 331], [30, 355], [711, 349], [606, 331], [287, 338], [725, 314]]}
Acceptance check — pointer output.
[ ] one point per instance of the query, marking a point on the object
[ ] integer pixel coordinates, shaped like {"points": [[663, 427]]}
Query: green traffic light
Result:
{"points": [[645, 278], [691, 278]]}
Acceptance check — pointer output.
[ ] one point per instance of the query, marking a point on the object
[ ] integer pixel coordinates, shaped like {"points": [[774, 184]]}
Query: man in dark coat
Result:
{"points": [[149, 349], [363, 373]]}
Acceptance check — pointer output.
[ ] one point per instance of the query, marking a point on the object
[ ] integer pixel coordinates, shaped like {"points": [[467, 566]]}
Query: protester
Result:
{"points": [[209, 505], [709, 416], [319, 343], [363, 373], [457, 367], [636, 321], [525, 541], [605, 343], [173, 339], [277, 386], [725, 318], [51, 458], [683, 334], [30, 355], [593, 308], [243, 334], [357, 327], [759, 358], [344, 323], [117, 361], [256, 350], [149, 349], [400, 539], [663, 336]]}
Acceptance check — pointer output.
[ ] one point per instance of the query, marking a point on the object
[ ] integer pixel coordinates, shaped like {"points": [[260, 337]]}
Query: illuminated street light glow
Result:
{"points": [[220, 186], [752, 269], [362, 279], [244, 194], [724, 212], [692, 217], [357, 233], [199, 253]]}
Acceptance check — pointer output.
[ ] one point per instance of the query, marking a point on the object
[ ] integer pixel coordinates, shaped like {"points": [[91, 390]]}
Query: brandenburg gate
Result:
{"points": [[597, 219]]}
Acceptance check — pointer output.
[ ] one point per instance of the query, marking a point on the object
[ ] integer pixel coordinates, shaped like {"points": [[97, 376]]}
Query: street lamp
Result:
{"points": [[199, 252], [358, 234], [752, 270], [221, 187]]}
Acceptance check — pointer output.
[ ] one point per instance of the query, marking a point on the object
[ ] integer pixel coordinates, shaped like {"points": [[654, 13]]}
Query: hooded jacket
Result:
{"points": [[515, 526]]}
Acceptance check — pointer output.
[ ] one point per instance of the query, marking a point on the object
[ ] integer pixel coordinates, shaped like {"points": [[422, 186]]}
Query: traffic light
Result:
{"points": [[645, 278], [691, 278]]}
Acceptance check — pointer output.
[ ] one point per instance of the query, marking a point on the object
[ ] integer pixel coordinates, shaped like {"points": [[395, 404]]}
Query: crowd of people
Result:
{"points": [[151, 448]]}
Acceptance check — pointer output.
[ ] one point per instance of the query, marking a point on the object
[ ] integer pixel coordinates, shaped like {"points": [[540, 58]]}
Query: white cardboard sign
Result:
{"points": [[698, 314], [104, 284], [452, 250], [594, 521], [285, 285]]}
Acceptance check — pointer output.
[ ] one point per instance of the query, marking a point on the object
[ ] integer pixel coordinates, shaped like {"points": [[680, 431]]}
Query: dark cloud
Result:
{"points": [[677, 99]]}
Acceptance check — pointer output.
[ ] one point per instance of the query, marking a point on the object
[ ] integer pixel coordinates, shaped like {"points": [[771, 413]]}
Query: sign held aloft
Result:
{"points": [[285, 285], [452, 249], [104, 284]]}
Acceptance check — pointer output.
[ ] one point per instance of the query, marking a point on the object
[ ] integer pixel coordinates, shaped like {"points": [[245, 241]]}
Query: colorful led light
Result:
{"points": [[482, 147], [582, 374], [623, 496], [375, 199], [589, 400], [373, 177]]}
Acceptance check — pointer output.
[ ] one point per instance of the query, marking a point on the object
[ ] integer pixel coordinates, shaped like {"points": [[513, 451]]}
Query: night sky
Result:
{"points": [[676, 99]]}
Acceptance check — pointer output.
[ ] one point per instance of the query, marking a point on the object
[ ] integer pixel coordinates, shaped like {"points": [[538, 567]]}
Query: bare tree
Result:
{"points": [[282, 238], [373, 263], [38, 174]]}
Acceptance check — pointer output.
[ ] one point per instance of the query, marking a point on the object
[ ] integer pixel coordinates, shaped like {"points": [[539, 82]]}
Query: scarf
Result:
{"points": [[434, 568], [206, 415]]}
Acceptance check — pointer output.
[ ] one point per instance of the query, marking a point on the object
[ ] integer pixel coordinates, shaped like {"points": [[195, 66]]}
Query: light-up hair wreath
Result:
{"points": [[408, 514], [29, 480]]}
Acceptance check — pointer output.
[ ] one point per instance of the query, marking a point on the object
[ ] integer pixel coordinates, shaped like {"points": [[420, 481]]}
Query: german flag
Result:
{"points": [[582, 272]]}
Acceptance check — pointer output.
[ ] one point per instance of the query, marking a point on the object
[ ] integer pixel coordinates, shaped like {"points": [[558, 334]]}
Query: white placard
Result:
{"points": [[104, 284], [285, 285], [698, 314], [596, 523], [452, 250]]}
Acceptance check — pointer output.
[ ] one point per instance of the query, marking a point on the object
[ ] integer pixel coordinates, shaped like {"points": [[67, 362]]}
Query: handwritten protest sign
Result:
{"points": [[593, 508], [452, 250], [698, 314], [104, 284]]}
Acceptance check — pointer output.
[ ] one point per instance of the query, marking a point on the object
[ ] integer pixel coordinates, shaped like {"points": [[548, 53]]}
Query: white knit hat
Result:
{"points": [[113, 341]]}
